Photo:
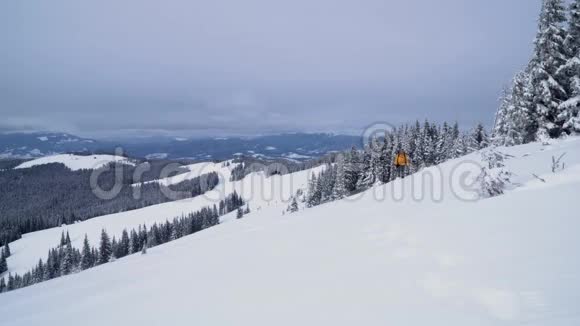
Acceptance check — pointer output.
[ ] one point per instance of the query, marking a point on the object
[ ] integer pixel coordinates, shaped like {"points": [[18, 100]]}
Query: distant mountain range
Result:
{"points": [[295, 146]]}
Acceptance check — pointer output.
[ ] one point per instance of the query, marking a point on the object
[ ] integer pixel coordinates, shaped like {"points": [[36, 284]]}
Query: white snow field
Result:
{"points": [[269, 193], [76, 162], [397, 260], [197, 169]]}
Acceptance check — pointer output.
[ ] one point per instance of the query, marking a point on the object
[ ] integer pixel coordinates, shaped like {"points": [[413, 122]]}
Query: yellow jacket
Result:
{"points": [[402, 159]]}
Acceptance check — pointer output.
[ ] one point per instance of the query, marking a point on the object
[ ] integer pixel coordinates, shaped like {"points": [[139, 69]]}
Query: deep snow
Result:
{"points": [[508, 260]]}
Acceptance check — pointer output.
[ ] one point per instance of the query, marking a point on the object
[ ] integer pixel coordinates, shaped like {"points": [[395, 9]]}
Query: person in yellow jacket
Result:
{"points": [[402, 161]]}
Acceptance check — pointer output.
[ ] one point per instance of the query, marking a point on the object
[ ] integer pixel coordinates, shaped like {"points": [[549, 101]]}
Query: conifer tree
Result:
{"points": [[572, 41], [105, 249], [570, 109], [62, 239], [549, 57], [428, 155], [135, 244], [124, 244], [478, 138], [386, 158], [66, 265], [340, 191], [6, 252], [87, 255], [499, 131], [2, 285], [375, 164], [367, 176], [293, 206], [352, 170], [313, 197], [39, 273], [10, 286], [326, 181], [520, 125], [3, 264]]}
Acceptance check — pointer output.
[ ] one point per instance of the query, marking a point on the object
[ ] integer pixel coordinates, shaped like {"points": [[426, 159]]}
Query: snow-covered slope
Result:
{"points": [[223, 169], [508, 260], [76, 162], [268, 193]]}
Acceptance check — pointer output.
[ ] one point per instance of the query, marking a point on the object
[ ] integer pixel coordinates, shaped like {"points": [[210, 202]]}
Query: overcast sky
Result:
{"points": [[224, 67]]}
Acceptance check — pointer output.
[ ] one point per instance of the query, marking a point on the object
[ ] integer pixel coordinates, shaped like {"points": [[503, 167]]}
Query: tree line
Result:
{"points": [[356, 170], [50, 195], [65, 259]]}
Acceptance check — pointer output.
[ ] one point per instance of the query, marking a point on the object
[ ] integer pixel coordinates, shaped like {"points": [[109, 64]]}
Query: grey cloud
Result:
{"points": [[255, 66]]}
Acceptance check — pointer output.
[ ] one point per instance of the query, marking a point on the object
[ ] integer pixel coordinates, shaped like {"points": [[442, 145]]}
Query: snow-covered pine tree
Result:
{"points": [[314, 191], [493, 179], [10, 286], [311, 195], [572, 42], [105, 249], [135, 245], [6, 251], [239, 213], [427, 144], [3, 264], [320, 187], [340, 191], [375, 163], [87, 260], [478, 138], [570, 72], [499, 130], [520, 124], [387, 157], [367, 177], [549, 57], [2, 285], [39, 272], [67, 262], [114, 247], [414, 134], [293, 206], [152, 236], [326, 183], [405, 138], [50, 270], [352, 170], [67, 239], [62, 239], [124, 245]]}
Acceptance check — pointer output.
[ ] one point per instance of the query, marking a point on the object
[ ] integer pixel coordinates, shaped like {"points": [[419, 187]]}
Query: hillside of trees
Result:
{"points": [[50, 195], [64, 259], [426, 144]]}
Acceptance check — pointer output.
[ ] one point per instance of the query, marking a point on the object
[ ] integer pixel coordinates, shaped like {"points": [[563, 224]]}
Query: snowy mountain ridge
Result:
{"points": [[296, 146], [77, 162]]}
